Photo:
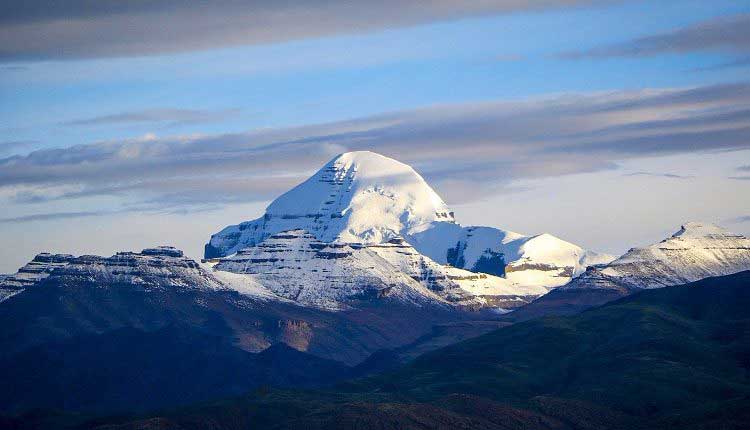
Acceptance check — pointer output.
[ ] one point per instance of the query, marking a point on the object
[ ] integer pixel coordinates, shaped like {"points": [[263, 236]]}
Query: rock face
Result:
{"points": [[364, 203], [697, 251]]}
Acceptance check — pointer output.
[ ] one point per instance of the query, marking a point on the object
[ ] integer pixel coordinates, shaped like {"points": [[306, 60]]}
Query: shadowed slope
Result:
{"points": [[676, 357]]}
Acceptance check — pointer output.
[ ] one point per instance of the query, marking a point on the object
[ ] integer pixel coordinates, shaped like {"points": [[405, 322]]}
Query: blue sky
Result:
{"points": [[248, 94]]}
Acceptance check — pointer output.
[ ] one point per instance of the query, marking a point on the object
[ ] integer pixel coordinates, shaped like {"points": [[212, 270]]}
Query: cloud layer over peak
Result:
{"points": [[481, 144]]}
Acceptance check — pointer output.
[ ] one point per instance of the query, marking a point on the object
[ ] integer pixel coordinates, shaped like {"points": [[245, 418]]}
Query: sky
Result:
{"points": [[608, 123]]}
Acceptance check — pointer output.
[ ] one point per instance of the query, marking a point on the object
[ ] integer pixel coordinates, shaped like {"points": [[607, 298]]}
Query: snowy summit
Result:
{"points": [[356, 197]]}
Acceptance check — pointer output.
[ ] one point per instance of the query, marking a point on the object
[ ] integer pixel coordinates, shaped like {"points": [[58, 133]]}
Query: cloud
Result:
{"points": [[736, 63], [50, 29], [14, 68], [482, 145], [725, 34], [659, 175], [52, 216], [168, 193], [742, 178], [169, 116], [739, 220]]}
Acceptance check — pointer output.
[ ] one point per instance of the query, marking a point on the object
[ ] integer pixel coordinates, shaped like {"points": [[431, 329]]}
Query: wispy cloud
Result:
{"points": [[181, 204], [736, 63], [659, 175], [727, 34], [50, 29], [14, 68], [170, 193], [163, 116], [481, 144], [52, 216], [742, 169]]}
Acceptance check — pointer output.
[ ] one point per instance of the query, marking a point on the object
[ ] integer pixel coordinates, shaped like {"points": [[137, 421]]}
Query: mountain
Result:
{"points": [[698, 250], [358, 197], [122, 332], [364, 200], [674, 357], [91, 333], [157, 287]]}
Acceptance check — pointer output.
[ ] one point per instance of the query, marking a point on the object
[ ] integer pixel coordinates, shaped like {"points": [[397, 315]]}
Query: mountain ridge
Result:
{"points": [[697, 250]]}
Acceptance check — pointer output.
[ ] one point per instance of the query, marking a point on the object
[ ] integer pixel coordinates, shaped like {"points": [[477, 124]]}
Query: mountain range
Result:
{"points": [[674, 357], [359, 270]]}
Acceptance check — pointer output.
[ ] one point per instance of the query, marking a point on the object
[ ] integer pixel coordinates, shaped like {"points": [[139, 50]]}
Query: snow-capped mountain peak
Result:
{"points": [[356, 197], [356, 188]]}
